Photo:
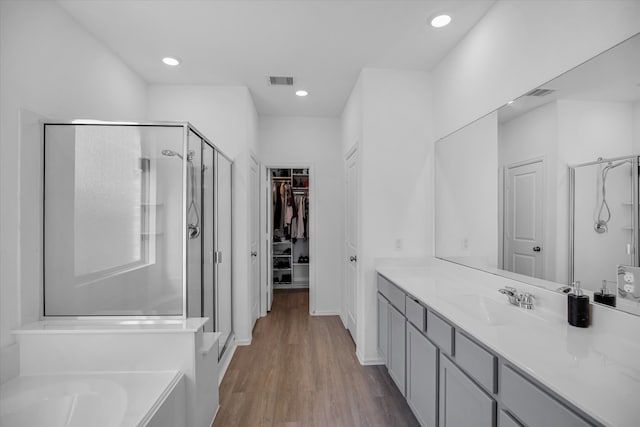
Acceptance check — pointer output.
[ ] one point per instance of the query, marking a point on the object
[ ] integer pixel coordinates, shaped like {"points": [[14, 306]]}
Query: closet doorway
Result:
{"points": [[290, 240]]}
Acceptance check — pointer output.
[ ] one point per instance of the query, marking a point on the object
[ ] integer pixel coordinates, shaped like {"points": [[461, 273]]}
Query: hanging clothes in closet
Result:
{"points": [[277, 203]]}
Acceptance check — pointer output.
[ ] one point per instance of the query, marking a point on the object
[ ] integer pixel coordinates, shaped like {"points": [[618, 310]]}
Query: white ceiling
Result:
{"points": [[323, 44]]}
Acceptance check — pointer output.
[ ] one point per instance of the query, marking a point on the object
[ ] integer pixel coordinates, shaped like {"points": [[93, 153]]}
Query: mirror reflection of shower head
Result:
{"points": [[171, 153], [604, 213], [601, 227]]}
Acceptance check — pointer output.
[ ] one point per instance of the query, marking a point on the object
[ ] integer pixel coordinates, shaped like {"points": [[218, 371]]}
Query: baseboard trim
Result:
{"points": [[215, 415], [369, 361], [226, 360], [243, 342], [326, 313]]}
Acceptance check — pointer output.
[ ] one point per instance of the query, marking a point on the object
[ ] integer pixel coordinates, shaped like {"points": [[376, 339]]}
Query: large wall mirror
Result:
{"points": [[545, 189]]}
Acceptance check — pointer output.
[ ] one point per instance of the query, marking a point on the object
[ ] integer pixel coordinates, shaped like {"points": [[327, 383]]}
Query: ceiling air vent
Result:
{"points": [[280, 81], [540, 92]]}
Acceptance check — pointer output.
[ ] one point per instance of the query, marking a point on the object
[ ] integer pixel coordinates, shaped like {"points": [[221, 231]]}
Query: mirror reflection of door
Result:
{"points": [[524, 218], [352, 242]]}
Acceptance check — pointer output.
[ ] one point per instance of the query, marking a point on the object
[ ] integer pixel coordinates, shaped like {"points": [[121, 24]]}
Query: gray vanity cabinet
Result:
{"points": [[462, 402], [506, 420], [533, 406], [422, 377], [450, 379], [397, 347], [383, 328]]}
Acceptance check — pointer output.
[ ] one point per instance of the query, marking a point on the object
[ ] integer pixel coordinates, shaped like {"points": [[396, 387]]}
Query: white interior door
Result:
{"points": [[254, 209], [352, 242], [524, 219]]}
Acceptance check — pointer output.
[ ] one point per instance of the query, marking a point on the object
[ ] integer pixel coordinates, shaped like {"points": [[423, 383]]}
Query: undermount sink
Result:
{"points": [[484, 309], [493, 312]]}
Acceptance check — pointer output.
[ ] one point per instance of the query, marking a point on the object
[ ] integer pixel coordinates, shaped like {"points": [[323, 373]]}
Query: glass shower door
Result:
{"points": [[605, 220], [208, 241], [224, 323], [113, 210]]}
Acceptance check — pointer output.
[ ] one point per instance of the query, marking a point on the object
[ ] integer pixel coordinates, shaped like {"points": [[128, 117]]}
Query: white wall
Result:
{"points": [[227, 117], [520, 45], [389, 115], [315, 141], [49, 67]]}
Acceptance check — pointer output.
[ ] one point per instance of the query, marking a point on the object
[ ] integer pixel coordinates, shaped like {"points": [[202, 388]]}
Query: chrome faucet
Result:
{"points": [[524, 300]]}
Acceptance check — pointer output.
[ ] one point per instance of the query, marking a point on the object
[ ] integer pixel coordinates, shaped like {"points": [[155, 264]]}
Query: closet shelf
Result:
{"points": [[282, 255], [283, 242], [281, 269], [297, 264]]}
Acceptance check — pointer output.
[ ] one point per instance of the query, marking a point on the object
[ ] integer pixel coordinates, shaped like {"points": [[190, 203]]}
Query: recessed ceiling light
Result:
{"points": [[171, 61], [440, 21], [302, 93]]}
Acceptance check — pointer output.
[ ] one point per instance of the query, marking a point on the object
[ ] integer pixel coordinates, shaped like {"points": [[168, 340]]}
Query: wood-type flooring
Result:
{"points": [[302, 370]]}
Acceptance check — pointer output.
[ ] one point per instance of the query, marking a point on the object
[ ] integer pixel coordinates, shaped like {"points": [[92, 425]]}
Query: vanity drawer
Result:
{"points": [[415, 313], [531, 405], [505, 420], [440, 332], [392, 293], [477, 362]]}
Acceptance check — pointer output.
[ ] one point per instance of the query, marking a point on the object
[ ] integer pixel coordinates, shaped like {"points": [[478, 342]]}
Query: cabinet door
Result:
{"points": [[396, 364], [383, 329], [422, 377], [462, 403]]}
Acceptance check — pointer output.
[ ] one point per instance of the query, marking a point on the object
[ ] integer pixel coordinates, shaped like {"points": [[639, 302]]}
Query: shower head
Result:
{"points": [[170, 153], [612, 165]]}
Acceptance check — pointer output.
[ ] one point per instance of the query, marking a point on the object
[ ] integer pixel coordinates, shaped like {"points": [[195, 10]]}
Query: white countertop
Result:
{"points": [[597, 372], [72, 326], [81, 399]]}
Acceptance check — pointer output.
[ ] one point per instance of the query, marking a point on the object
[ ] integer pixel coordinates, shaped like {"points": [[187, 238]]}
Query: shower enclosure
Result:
{"points": [[603, 220], [137, 223]]}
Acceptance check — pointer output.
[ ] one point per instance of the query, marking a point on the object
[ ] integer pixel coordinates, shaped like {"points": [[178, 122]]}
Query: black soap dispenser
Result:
{"points": [[578, 307], [604, 296]]}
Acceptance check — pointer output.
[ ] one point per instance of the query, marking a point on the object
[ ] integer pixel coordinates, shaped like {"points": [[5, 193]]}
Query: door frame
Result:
{"points": [[353, 150], [265, 230], [254, 159], [502, 209]]}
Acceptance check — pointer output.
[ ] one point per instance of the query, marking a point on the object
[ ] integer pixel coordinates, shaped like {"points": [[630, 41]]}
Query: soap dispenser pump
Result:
{"points": [[578, 307], [604, 296]]}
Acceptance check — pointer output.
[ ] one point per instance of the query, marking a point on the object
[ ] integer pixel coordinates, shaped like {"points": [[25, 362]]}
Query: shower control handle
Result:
{"points": [[537, 249], [254, 253]]}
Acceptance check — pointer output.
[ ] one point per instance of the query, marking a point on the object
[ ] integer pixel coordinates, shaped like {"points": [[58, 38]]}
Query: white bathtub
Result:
{"points": [[92, 399]]}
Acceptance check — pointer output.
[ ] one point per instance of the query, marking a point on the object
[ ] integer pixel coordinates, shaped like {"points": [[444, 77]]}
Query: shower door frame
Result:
{"points": [[186, 126], [635, 216]]}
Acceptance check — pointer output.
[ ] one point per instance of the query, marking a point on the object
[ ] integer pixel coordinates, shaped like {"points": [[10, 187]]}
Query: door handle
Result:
{"points": [[254, 253], [353, 258], [537, 249]]}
